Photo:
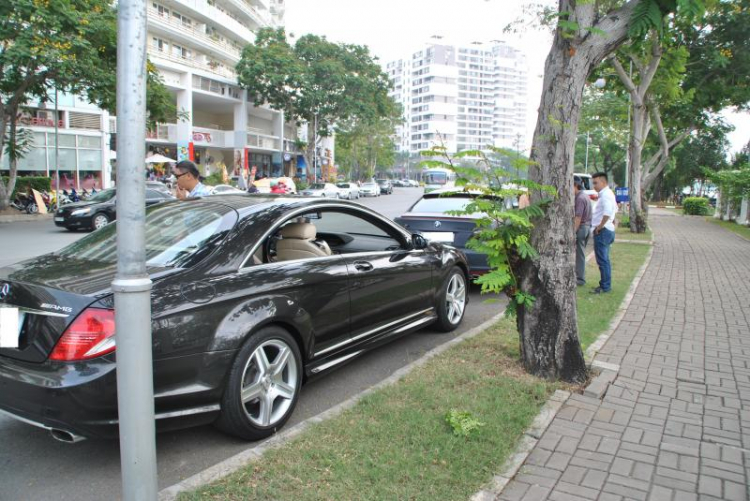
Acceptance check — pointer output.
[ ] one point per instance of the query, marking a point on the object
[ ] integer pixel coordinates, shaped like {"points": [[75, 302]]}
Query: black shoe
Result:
{"points": [[599, 290], [581, 284]]}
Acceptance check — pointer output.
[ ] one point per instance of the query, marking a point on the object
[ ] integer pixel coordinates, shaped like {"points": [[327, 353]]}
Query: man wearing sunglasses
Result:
{"points": [[188, 182]]}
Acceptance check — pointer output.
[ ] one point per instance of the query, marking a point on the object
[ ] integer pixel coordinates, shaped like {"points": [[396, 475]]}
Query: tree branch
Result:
{"points": [[653, 65], [624, 78], [615, 25]]}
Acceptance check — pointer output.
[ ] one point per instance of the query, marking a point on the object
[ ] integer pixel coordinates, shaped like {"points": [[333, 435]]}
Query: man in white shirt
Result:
{"points": [[602, 221]]}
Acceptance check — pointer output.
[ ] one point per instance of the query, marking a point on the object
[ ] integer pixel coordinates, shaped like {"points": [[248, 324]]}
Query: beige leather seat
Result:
{"points": [[297, 242]]}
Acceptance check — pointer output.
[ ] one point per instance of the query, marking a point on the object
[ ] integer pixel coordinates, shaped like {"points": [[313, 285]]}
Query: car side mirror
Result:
{"points": [[418, 241]]}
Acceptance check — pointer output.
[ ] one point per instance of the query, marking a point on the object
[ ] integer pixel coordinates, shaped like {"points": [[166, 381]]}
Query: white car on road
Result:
{"points": [[326, 190], [349, 191], [369, 189]]}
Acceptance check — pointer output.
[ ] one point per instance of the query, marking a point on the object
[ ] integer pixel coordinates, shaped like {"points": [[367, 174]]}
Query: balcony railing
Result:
{"points": [[194, 32], [264, 141], [219, 70], [163, 132]]}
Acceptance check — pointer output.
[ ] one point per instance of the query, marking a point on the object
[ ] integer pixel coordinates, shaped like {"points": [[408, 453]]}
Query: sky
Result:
{"points": [[393, 29]]}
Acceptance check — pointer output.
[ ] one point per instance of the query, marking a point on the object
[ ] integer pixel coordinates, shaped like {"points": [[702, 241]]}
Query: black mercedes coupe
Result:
{"points": [[252, 296]]}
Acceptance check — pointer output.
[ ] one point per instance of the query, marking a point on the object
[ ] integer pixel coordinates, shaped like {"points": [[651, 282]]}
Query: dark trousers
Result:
{"points": [[582, 240], [602, 241]]}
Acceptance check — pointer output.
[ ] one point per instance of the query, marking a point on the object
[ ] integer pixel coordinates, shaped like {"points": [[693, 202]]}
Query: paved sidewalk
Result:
{"points": [[675, 424]]}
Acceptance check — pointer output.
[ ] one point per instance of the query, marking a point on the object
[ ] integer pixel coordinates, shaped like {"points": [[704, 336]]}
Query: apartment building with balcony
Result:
{"points": [[195, 45], [461, 97]]}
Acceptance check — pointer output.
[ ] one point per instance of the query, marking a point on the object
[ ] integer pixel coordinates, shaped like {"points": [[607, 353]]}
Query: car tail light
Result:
{"points": [[594, 196], [90, 335]]}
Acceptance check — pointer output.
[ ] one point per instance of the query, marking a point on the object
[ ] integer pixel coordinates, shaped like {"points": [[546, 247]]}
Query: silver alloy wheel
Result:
{"points": [[455, 298], [268, 387], [100, 221]]}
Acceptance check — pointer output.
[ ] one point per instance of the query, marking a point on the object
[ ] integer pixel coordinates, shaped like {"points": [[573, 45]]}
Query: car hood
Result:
{"points": [[76, 276]]}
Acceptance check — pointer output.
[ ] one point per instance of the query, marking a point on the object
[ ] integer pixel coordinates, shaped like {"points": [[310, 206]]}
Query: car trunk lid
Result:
{"points": [[436, 226], [49, 297]]}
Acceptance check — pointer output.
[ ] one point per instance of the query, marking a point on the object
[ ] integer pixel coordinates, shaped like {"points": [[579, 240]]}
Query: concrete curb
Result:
{"points": [[597, 345], [529, 440], [242, 459], [24, 217], [640, 242]]}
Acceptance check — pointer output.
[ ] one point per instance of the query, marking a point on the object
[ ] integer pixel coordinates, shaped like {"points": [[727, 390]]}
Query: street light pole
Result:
{"points": [[627, 146], [57, 155], [132, 286], [587, 153]]}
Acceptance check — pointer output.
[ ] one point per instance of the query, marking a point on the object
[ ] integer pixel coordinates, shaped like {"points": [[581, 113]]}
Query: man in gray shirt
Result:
{"points": [[582, 228]]}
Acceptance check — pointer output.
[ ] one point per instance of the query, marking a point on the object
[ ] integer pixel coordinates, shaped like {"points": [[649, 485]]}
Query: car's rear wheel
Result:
{"points": [[452, 301], [99, 221], [263, 385]]}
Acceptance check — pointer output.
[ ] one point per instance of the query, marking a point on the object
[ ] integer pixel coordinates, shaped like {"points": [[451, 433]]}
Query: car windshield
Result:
{"points": [[382, 181], [177, 235], [435, 177], [343, 185], [368, 185], [317, 186], [441, 205], [102, 196]]}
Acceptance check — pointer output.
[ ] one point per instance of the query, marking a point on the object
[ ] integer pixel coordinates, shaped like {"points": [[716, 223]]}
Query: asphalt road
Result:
{"points": [[33, 466]]}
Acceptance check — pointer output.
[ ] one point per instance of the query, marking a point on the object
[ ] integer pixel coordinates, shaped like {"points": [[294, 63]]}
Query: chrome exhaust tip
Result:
{"points": [[66, 436]]}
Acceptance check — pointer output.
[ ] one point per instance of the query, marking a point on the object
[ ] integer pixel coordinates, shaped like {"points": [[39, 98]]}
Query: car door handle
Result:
{"points": [[363, 265]]}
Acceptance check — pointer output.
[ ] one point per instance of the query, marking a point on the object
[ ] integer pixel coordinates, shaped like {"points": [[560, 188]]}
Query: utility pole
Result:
{"points": [[132, 286]]}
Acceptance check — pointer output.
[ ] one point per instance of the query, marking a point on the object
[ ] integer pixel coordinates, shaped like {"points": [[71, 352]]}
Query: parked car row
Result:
{"points": [[405, 183]]}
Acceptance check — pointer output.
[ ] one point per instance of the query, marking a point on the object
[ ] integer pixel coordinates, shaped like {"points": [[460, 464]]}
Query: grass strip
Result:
{"points": [[395, 443], [623, 232], [743, 231], [596, 311]]}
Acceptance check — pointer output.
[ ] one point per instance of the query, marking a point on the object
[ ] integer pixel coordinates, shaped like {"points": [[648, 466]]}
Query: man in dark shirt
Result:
{"points": [[582, 228]]}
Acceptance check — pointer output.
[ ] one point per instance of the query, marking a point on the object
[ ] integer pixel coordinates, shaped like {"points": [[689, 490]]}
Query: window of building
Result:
{"points": [[160, 9], [179, 51], [159, 44], [185, 21]]}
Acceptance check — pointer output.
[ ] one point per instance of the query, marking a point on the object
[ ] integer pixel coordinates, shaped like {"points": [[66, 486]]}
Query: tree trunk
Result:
{"points": [[548, 330], [638, 133], [6, 190]]}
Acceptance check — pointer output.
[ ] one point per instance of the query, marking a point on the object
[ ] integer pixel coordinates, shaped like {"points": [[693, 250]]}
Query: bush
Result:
{"points": [[214, 179], [624, 219], [23, 183], [695, 206]]}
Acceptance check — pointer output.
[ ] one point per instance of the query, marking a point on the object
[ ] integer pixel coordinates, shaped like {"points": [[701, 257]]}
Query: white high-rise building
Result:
{"points": [[195, 45], [462, 97]]}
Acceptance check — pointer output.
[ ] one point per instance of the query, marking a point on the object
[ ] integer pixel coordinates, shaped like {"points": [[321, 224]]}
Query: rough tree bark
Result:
{"points": [[639, 129], [549, 329]]}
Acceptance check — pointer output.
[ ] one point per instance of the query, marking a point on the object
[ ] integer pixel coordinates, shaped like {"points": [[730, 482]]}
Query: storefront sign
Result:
{"points": [[202, 136]]}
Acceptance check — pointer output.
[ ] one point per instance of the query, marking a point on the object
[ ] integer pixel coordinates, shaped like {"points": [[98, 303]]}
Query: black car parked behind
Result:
{"points": [[98, 210]]}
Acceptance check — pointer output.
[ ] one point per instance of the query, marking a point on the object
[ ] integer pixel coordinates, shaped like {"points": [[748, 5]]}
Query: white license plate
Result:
{"points": [[11, 322], [59, 219], [439, 236]]}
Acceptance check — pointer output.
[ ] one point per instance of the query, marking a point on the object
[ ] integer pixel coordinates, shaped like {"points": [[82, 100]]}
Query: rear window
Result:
{"points": [[177, 235], [441, 205], [435, 178]]}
